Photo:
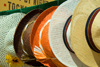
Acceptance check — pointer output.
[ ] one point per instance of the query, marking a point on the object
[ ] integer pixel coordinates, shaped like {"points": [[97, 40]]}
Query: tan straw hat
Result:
{"points": [[22, 38], [85, 31], [59, 34]]}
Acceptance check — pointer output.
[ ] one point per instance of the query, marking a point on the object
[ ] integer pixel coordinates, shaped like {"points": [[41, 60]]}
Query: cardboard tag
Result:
{"points": [[17, 4]]}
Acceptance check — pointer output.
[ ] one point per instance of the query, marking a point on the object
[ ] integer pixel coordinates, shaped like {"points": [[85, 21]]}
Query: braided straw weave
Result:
{"points": [[7, 22]]}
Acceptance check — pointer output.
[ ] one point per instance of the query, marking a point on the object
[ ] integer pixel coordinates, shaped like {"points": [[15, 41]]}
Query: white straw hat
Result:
{"points": [[59, 34], [9, 42], [8, 22], [85, 31]]}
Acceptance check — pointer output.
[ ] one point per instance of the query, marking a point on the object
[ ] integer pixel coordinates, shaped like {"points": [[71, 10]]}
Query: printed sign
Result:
{"points": [[17, 4]]}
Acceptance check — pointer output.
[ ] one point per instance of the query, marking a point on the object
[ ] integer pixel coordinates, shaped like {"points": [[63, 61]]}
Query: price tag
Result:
{"points": [[17, 4]]}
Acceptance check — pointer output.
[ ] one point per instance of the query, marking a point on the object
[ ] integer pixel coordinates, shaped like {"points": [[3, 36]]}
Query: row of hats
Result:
{"points": [[60, 36]]}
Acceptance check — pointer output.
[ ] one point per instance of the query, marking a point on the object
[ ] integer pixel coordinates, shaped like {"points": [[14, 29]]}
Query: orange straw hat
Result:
{"points": [[39, 39], [85, 32], [22, 38], [59, 34]]}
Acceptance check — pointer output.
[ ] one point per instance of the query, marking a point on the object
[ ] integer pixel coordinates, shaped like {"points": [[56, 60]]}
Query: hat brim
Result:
{"points": [[40, 22], [78, 38], [59, 18], [38, 25], [17, 36]]}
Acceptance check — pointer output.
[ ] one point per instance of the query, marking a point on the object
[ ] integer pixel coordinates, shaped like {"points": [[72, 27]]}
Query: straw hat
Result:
{"points": [[85, 32], [39, 46], [15, 61], [9, 42], [7, 22], [59, 34], [22, 38], [11, 58]]}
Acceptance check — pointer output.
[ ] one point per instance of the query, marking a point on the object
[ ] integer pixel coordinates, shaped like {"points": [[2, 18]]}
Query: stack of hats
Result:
{"points": [[60, 36]]}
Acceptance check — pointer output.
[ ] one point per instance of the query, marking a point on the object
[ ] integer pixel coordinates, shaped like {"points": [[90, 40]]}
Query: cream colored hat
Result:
{"points": [[10, 50], [9, 42], [59, 34], [85, 29], [7, 22], [11, 58]]}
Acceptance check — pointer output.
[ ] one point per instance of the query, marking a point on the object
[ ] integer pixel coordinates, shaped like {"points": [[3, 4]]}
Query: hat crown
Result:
{"points": [[95, 30], [9, 42]]}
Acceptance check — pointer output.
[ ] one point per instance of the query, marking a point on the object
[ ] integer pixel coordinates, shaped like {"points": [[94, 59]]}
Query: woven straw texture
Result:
{"points": [[79, 32], [8, 42], [7, 22], [58, 20]]}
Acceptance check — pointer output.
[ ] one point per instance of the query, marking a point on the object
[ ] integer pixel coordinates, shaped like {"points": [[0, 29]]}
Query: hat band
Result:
{"points": [[22, 43], [66, 34], [88, 30]]}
